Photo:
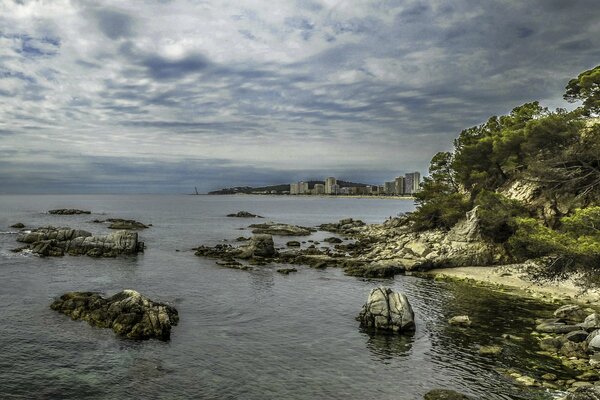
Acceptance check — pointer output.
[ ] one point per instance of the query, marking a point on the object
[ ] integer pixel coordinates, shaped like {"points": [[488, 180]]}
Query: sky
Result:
{"points": [[160, 96]]}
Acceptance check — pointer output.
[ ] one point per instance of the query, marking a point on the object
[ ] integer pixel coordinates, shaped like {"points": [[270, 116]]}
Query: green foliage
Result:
{"points": [[497, 215], [576, 245], [586, 88]]}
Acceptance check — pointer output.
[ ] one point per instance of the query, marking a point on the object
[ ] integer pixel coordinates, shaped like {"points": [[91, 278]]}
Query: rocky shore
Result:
{"points": [[56, 242]]}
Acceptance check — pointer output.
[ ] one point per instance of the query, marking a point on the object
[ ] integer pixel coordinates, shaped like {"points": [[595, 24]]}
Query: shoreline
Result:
{"points": [[515, 278], [350, 196]]}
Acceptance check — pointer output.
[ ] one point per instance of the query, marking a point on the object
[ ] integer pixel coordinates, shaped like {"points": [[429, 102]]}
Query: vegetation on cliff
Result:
{"points": [[535, 175]]}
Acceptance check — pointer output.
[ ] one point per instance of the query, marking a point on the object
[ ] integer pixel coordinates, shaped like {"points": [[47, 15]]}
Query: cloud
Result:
{"points": [[166, 94]]}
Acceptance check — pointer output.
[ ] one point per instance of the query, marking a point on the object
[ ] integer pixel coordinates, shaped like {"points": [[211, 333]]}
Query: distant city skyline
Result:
{"points": [[164, 96]]}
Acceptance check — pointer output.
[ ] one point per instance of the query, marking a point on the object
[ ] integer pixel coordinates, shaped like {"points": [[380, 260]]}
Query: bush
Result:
{"points": [[497, 215]]}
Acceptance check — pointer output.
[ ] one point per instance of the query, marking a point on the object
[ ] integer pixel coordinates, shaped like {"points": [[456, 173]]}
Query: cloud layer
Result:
{"points": [[161, 96]]}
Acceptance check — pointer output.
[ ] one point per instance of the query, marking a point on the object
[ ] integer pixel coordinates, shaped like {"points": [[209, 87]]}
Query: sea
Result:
{"points": [[244, 334]]}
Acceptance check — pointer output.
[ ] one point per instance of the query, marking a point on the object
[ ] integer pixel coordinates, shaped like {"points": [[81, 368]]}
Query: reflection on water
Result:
{"points": [[387, 345]]}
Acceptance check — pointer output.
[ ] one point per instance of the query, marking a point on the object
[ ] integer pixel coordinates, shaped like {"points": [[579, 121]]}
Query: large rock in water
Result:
{"points": [[387, 310], [51, 241], [68, 211], [258, 246], [127, 313]]}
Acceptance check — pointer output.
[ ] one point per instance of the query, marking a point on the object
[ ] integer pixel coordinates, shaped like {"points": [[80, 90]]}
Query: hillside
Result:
{"points": [[279, 189]]}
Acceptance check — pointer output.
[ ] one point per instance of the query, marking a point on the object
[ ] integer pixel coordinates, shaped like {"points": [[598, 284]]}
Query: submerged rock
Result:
{"points": [[293, 243], [272, 228], [128, 224], [51, 241], [462, 320], [387, 310], [244, 214], [127, 313], [68, 211], [286, 271], [444, 394], [18, 225]]}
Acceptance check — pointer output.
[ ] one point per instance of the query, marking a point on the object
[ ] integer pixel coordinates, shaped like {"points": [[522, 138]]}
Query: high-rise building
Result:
{"points": [[319, 188], [303, 188], [329, 182], [335, 189], [412, 182], [389, 187], [399, 185], [293, 188]]}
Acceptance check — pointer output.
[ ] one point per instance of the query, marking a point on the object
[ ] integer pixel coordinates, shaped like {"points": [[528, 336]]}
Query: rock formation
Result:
{"points": [[51, 241], [68, 211], [18, 225], [243, 214], [127, 313], [387, 310], [272, 228]]}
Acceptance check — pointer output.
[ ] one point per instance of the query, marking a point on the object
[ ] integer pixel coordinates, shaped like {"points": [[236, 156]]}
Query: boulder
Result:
{"points": [[591, 322], [286, 271], [576, 336], [128, 224], [18, 225], [68, 211], [258, 246], [333, 240], [387, 310], [571, 313], [127, 313], [594, 342], [584, 393], [293, 243], [556, 327], [271, 228], [243, 214], [444, 394], [50, 241]]}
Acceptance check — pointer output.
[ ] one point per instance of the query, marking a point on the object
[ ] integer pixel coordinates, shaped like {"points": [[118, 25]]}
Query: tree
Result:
{"points": [[586, 88]]}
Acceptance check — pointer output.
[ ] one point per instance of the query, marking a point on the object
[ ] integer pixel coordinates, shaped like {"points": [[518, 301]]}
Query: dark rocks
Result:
{"points": [[244, 214], [68, 211], [53, 242], [333, 240], [286, 271], [444, 394], [127, 224], [571, 313], [387, 310], [258, 246], [584, 393], [18, 225], [576, 336], [272, 228], [372, 270], [556, 327], [345, 226], [127, 313], [293, 243]]}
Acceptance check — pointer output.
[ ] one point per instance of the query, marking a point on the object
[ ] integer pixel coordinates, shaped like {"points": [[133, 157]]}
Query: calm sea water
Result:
{"points": [[242, 335]]}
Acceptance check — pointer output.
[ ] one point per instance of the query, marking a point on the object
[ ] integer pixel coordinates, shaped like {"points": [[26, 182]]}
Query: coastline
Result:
{"points": [[516, 279], [350, 196]]}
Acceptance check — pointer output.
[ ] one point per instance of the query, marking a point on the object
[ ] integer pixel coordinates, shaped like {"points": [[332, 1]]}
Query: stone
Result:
{"points": [[492, 350], [549, 377], [68, 211], [591, 322], [444, 394], [462, 320], [387, 310], [556, 327], [18, 225], [50, 241], [127, 224], [576, 336], [417, 248], [244, 214], [258, 246], [594, 343], [526, 381], [127, 313], [333, 240], [293, 243], [272, 228], [571, 313], [572, 349], [552, 344]]}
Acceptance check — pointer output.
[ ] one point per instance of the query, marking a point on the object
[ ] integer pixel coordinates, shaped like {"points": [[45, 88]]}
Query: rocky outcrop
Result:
{"points": [[51, 241], [272, 228], [125, 224], [257, 247], [387, 310], [127, 313], [68, 211], [345, 226], [18, 225], [584, 393], [243, 214]]}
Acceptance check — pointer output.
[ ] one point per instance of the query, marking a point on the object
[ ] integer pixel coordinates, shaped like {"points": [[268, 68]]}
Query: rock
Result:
{"points": [[552, 344], [344, 226], [462, 320], [68, 211], [588, 376], [258, 246], [50, 241], [417, 248], [576, 336], [333, 240], [490, 350], [584, 393], [572, 349], [594, 343], [444, 394], [549, 377], [293, 243], [18, 225], [127, 313], [272, 228], [526, 381], [128, 224], [286, 271], [556, 327], [387, 310], [373, 270], [571, 313], [243, 214], [591, 322]]}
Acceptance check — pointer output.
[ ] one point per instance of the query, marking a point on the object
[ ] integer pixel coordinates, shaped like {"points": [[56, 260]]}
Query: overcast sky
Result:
{"points": [[162, 96]]}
